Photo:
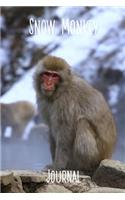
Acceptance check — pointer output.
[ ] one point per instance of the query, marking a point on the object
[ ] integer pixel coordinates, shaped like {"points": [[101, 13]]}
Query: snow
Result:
{"points": [[107, 20], [30, 125], [41, 39], [22, 90], [113, 94], [67, 11], [8, 131], [3, 56]]}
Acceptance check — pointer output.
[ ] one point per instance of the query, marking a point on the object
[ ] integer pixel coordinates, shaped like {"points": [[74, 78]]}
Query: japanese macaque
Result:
{"points": [[82, 129], [16, 116]]}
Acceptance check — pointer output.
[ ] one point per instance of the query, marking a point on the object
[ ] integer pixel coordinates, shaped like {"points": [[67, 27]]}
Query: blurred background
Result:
{"points": [[98, 55]]}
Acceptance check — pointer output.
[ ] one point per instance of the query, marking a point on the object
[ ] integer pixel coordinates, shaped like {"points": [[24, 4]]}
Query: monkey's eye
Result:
{"points": [[55, 75], [50, 74]]}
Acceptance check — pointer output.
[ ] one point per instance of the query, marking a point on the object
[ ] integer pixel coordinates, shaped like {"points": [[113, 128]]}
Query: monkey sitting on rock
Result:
{"points": [[81, 127]]}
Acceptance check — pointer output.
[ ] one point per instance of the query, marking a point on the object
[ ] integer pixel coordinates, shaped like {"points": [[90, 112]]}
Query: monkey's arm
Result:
{"points": [[85, 144]]}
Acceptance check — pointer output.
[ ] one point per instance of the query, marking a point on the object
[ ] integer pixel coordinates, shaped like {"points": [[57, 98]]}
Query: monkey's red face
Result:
{"points": [[49, 80]]}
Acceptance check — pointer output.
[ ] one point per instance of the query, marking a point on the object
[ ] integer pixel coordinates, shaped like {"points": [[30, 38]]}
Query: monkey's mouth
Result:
{"points": [[48, 88]]}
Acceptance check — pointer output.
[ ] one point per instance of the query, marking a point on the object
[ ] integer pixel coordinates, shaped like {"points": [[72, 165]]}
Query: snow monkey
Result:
{"points": [[82, 129], [16, 115]]}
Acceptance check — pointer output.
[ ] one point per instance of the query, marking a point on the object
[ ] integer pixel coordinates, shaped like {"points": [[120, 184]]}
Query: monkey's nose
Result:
{"points": [[49, 80]]}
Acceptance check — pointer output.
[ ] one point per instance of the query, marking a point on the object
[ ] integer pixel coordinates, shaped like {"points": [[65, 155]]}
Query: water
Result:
{"points": [[31, 154]]}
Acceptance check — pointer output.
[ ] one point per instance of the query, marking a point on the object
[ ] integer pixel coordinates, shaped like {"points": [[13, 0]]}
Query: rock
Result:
{"points": [[110, 173], [10, 183], [84, 185], [108, 178], [17, 186], [31, 180], [53, 188], [6, 177], [28, 176]]}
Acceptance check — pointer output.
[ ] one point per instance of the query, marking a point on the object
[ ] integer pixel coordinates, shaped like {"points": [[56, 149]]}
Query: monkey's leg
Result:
{"points": [[63, 152], [18, 130], [52, 146], [52, 150], [86, 153]]}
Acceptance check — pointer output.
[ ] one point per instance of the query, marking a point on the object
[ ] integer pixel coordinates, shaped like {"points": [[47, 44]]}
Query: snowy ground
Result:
{"points": [[34, 153]]}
